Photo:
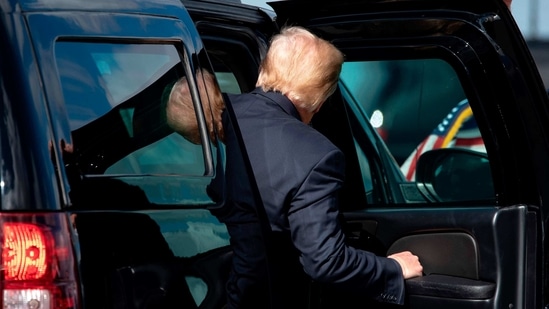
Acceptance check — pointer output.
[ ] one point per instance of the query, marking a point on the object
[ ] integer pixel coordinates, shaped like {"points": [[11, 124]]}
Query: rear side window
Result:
{"points": [[116, 95]]}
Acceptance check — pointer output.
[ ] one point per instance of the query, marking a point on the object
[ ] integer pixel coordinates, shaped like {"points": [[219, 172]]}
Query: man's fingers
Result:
{"points": [[411, 267]]}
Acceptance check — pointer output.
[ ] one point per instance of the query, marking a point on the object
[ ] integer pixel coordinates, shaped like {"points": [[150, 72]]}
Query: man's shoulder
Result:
{"points": [[242, 101], [309, 140]]}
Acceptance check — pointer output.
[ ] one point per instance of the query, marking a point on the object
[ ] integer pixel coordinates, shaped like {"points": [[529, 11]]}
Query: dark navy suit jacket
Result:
{"points": [[298, 173]]}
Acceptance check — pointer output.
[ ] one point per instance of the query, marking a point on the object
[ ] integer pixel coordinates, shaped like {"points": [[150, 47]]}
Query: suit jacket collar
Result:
{"points": [[281, 100]]}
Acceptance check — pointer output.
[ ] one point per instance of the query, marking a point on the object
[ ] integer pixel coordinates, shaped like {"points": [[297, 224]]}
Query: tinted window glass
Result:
{"points": [[108, 74], [116, 97], [416, 106]]}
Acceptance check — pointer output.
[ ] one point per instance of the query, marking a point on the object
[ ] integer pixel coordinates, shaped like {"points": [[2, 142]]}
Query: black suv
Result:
{"points": [[440, 112]]}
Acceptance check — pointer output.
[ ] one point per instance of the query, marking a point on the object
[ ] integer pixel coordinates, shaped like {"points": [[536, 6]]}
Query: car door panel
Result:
{"points": [[142, 266], [458, 247], [436, 248], [471, 252]]}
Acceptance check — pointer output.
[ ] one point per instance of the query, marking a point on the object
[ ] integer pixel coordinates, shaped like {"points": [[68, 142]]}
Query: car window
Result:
{"points": [[110, 72], [115, 97], [417, 106]]}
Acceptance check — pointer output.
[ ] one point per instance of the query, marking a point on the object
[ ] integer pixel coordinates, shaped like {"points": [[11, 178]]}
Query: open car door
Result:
{"points": [[443, 119]]}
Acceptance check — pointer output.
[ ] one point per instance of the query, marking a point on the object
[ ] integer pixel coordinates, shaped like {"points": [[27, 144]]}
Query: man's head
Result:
{"points": [[180, 113], [303, 67]]}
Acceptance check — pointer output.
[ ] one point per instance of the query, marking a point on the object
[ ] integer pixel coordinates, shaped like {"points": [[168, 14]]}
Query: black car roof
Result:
{"points": [[153, 6], [296, 10]]}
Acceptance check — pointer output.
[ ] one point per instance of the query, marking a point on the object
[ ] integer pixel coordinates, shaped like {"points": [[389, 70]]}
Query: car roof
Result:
{"points": [[296, 10], [153, 6]]}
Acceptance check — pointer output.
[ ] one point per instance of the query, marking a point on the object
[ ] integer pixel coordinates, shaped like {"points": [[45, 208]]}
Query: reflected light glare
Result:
{"points": [[377, 119]]}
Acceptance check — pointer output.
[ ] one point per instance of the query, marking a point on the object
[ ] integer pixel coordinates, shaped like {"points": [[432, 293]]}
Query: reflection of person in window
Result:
{"points": [[180, 113]]}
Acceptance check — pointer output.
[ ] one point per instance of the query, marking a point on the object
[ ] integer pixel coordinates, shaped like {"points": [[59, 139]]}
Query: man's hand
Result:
{"points": [[411, 267]]}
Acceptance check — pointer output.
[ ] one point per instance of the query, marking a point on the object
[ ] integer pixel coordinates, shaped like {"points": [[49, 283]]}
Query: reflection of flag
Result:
{"points": [[458, 129]]}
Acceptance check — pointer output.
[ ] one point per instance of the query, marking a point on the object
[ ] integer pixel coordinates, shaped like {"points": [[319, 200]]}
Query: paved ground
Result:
{"points": [[540, 52]]}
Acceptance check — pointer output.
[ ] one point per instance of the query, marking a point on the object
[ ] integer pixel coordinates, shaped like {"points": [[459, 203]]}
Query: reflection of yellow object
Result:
{"points": [[461, 118]]}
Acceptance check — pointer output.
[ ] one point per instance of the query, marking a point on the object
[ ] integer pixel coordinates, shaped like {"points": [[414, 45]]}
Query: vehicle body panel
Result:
{"points": [[25, 152]]}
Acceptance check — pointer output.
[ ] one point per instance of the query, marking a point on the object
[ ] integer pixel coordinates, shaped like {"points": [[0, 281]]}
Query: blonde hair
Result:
{"points": [[180, 113], [302, 66]]}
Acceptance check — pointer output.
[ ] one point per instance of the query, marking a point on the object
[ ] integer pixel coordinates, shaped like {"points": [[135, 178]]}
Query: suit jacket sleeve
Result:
{"points": [[317, 234]]}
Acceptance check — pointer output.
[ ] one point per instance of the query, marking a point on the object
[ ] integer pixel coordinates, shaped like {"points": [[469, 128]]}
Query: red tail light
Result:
{"points": [[38, 269], [25, 252]]}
